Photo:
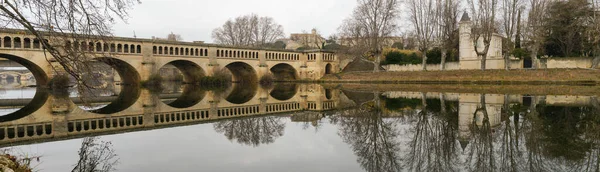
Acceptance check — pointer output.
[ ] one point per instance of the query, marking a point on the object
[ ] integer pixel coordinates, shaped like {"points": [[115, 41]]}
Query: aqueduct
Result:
{"points": [[137, 59]]}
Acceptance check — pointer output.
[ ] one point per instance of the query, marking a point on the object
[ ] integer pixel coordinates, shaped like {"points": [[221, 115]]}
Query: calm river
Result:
{"points": [[299, 127]]}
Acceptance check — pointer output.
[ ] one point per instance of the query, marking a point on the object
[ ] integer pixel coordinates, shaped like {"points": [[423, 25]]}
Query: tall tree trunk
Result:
{"points": [[377, 63], [483, 61], [534, 60], [443, 103], [443, 62], [424, 60], [507, 61]]}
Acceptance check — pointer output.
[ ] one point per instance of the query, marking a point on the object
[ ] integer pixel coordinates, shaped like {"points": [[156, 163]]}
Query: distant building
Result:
{"points": [[308, 40], [468, 56]]}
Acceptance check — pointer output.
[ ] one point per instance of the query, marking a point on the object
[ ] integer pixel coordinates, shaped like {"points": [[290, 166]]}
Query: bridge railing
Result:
{"points": [[241, 54], [280, 56], [180, 51], [28, 42]]}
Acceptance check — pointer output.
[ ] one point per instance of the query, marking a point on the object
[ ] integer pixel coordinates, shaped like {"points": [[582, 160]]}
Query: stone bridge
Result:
{"points": [[136, 59], [48, 118]]}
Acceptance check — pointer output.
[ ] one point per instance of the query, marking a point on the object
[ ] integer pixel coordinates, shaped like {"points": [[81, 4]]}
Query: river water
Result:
{"points": [[302, 127]]}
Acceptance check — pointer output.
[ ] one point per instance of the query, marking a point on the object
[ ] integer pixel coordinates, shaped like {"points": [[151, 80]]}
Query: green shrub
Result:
{"points": [[520, 53], [434, 56], [401, 58]]}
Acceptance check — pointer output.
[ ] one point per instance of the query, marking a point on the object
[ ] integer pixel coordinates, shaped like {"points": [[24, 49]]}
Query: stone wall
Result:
{"points": [[566, 63]]}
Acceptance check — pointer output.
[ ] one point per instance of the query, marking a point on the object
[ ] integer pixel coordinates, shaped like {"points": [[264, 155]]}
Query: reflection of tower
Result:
{"points": [[469, 104]]}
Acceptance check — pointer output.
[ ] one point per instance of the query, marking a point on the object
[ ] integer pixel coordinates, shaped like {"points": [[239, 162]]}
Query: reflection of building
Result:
{"points": [[312, 117], [471, 112]]}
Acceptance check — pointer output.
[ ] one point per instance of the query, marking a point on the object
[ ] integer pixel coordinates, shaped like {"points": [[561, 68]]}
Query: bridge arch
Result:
{"points": [[191, 95], [284, 72], [242, 93], [40, 75], [192, 72], [284, 91], [130, 86], [242, 72]]}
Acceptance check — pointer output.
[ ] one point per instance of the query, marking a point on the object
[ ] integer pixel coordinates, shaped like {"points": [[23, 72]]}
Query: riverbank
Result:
{"points": [[474, 88], [512, 77]]}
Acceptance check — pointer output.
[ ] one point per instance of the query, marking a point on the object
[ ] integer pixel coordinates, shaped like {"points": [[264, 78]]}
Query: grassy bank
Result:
{"points": [[473, 88], [533, 77]]}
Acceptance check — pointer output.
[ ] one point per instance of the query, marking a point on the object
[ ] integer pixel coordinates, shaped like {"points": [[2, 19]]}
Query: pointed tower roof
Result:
{"points": [[465, 17], [463, 144]]}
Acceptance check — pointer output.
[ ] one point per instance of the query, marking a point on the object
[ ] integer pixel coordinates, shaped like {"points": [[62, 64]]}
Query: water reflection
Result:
{"points": [[385, 131], [96, 155], [252, 131], [373, 138]]}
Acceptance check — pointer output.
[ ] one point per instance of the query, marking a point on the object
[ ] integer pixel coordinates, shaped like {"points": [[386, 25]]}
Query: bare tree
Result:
{"points": [[96, 156], [371, 22], [174, 37], [484, 26], [248, 30], [252, 131], [58, 23], [424, 16], [448, 23], [511, 11], [595, 31], [534, 31]]}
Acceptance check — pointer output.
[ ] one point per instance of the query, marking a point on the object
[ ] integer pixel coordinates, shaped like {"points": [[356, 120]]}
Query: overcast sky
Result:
{"points": [[194, 20]]}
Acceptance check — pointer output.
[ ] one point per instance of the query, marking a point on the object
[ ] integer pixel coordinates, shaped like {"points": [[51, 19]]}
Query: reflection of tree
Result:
{"points": [[481, 154], [433, 145], [96, 156], [252, 131], [373, 138]]}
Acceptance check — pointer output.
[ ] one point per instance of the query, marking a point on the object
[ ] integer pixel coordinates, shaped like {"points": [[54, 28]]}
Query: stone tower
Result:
{"points": [[465, 43]]}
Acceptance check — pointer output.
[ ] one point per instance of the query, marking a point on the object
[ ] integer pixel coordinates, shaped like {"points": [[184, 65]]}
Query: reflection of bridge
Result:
{"points": [[137, 59], [46, 117]]}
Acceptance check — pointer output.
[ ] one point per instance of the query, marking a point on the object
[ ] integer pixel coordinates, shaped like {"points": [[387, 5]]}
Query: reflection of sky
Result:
{"points": [[24, 93], [200, 148], [93, 107], [8, 111]]}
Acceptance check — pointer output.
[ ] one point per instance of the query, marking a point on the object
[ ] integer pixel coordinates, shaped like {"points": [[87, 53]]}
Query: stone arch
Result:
{"points": [[26, 43], [129, 75], [284, 72], [242, 72], [328, 68], [119, 48], [98, 47], [284, 91], [39, 99], [7, 41], [192, 72], [17, 42], [40, 96], [242, 93], [328, 94], [130, 90], [39, 74]]}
